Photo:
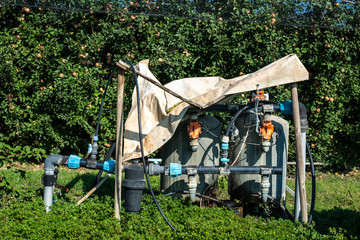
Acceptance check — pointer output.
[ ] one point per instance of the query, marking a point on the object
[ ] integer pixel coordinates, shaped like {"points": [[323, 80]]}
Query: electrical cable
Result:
{"points": [[142, 148], [313, 184]]}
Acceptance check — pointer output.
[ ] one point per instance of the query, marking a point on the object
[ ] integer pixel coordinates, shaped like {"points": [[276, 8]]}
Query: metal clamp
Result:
{"points": [[268, 108], [191, 171], [264, 170], [224, 171]]}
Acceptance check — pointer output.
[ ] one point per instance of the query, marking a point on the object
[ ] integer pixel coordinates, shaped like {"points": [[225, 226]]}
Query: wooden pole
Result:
{"points": [[299, 154], [119, 142], [92, 190]]}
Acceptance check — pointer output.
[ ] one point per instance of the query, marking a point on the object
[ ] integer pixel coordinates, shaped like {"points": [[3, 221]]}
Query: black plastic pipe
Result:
{"points": [[157, 170], [232, 108], [313, 184], [302, 110]]}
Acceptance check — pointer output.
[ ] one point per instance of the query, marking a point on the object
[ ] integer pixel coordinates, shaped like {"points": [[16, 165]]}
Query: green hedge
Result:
{"points": [[55, 64]]}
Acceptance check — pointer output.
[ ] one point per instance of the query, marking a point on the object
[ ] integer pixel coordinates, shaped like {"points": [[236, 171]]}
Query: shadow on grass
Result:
{"points": [[106, 189], [339, 219]]}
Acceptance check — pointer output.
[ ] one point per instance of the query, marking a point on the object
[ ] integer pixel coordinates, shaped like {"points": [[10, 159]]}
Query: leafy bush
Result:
{"points": [[55, 65]]}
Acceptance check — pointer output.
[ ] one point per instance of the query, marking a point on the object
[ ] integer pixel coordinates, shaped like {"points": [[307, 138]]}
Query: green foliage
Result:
{"points": [[6, 188], [24, 216], [55, 65]]}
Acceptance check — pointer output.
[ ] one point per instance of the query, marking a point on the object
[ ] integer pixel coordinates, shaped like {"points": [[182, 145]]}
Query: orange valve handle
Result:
{"points": [[62, 187], [194, 129], [261, 95], [267, 130]]}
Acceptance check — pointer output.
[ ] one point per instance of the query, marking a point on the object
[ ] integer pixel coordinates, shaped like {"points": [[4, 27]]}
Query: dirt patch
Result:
{"points": [[38, 167], [23, 166]]}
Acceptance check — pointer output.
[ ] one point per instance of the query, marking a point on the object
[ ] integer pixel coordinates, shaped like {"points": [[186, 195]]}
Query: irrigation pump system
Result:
{"points": [[197, 148]]}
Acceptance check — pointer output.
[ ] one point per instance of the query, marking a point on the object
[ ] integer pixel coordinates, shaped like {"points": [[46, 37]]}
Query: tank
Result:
{"points": [[246, 150], [178, 150]]}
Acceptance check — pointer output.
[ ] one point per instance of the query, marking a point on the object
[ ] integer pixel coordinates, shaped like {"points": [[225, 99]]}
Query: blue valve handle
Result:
{"points": [[155, 160]]}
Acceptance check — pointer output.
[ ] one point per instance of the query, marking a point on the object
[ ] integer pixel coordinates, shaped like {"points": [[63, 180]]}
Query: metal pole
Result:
{"points": [[299, 152], [297, 195], [119, 142]]}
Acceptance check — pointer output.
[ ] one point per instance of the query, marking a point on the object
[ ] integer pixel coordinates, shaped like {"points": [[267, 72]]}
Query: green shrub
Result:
{"points": [[23, 215], [55, 65]]}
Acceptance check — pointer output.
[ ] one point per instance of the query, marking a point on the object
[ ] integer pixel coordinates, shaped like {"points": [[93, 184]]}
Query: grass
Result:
{"points": [[22, 212]]}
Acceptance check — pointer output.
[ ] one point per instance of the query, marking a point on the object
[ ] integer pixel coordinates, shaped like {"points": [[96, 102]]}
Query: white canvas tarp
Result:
{"points": [[161, 112]]}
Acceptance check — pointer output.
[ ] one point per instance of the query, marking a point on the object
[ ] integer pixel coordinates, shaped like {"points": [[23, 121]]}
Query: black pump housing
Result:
{"points": [[134, 184]]}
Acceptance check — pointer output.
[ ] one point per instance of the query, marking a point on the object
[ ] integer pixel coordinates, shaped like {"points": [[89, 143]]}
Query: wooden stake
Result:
{"points": [[92, 190], [119, 142], [299, 154]]}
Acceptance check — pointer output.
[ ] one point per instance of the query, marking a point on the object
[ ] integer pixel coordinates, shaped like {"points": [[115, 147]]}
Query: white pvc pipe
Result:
{"points": [[49, 168]]}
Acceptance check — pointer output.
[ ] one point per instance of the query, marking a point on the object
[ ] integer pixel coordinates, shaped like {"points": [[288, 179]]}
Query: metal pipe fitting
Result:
{"points": [[192, 184], [265, 183]]}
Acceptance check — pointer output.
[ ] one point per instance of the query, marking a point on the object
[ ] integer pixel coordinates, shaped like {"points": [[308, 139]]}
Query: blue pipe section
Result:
{"points": [[74, 162], [224, 149], [286, 107], [175, 170], [109, 166]]}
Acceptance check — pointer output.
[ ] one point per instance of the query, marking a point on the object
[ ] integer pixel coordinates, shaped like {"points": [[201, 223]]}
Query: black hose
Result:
{"points": [[238, 113], [108, 156], [102, 102], [313, 182], [142, 148], [97, 179]]}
